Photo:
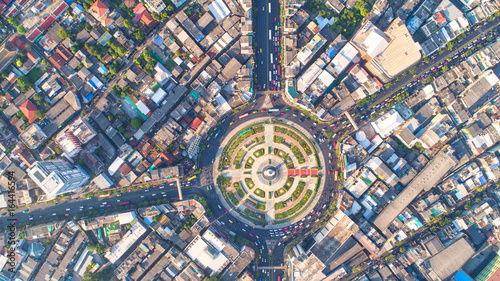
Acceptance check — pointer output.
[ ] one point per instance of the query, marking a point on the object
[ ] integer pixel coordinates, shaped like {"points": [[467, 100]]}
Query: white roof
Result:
{"points": [[326, 78], [308, 77], [219, 9], [162, 74], [388, 123], [159, 96], [115, 166], [206, 255], [127, 217], [223, 105], [375, 43], [344, 57], [143, 107]]}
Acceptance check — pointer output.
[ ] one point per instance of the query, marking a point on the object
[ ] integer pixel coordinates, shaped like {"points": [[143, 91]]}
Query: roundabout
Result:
{"points": [[269, 172]]}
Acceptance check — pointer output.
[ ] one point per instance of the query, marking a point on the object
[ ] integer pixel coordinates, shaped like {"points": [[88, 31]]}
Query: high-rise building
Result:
{"points": [[57, 177]]}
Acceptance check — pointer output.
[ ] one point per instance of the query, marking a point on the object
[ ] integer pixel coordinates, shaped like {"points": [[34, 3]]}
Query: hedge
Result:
{"points": [[259, 192], [295, 208]]}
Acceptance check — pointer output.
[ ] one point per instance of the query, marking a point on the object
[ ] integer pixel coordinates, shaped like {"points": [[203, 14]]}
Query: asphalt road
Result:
{"points": [[268, 36], [436, 58], [282, 235]]}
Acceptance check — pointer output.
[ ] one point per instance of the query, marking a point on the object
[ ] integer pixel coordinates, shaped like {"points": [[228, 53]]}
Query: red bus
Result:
{"points": [[279, 68], [125, 203], [244, 115]]}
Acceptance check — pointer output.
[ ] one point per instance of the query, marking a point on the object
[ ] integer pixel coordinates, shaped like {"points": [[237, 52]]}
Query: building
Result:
{"points": [[437, 168], [207, 251], [73, 137], [131, 238], [388, 123], [392, 53], [99, 10], [156, 6], [29, 110], [57, 177]]}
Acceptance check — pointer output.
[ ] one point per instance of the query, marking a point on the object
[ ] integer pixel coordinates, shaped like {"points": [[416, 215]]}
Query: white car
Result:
{"points": [[68, 209]]}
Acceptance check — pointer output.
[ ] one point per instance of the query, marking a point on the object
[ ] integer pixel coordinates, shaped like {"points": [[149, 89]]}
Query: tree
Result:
{"points": [[402, 249], [413, 70], [14, 21], [24, 83], [21, 30], [157, 218], [136, 122], [197, 171], [39, 96], [64, 33], [390, 258], [127, 23], [100, 249], [182, 146], [450, 45], [19, 63], [39, 114], [426, 60]]}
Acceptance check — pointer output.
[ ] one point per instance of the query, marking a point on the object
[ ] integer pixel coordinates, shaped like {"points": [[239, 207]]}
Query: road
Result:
{"points": [[282, 235], [472, 34], [268, 37]]}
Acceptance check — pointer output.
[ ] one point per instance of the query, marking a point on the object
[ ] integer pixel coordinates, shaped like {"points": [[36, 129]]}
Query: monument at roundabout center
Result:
{"points": [[269, 172]]}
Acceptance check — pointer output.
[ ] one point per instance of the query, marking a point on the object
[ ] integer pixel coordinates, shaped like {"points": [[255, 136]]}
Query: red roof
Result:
{"points": [[147, 19], [139, 9], [440, 18], [129, 3], [31, 55], [61, 8], [57, 60], [47, 22], [125, 169], [167, 158], [21, 3], [196, 123], [17, 42], [64, 52], [99, 7], [34, 34], [12, 13], [28, 109]]}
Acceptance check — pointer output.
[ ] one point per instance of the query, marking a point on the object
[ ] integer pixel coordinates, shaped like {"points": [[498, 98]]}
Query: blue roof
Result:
{"points": [[88, 97], [158, 40], [462, 276], [331, 52]]}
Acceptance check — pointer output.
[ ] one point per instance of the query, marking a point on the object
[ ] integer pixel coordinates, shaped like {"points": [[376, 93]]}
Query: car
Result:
{"points": [[142, 196], [231, 123], [328, 172], [154, 194], [30, 218], [225, 210], [282, 113], [119, 194], [68, 209], [230, 221], [81, 207], [146, 190], [118, 200], [262, 110], [275, 19], [162, 187], [54, 214], [25, 211], [219, 206]]}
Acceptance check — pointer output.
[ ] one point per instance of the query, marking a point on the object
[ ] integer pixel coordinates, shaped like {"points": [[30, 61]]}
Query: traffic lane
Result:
{"points": [[421, 68], [94, 204], [261, 37]]}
